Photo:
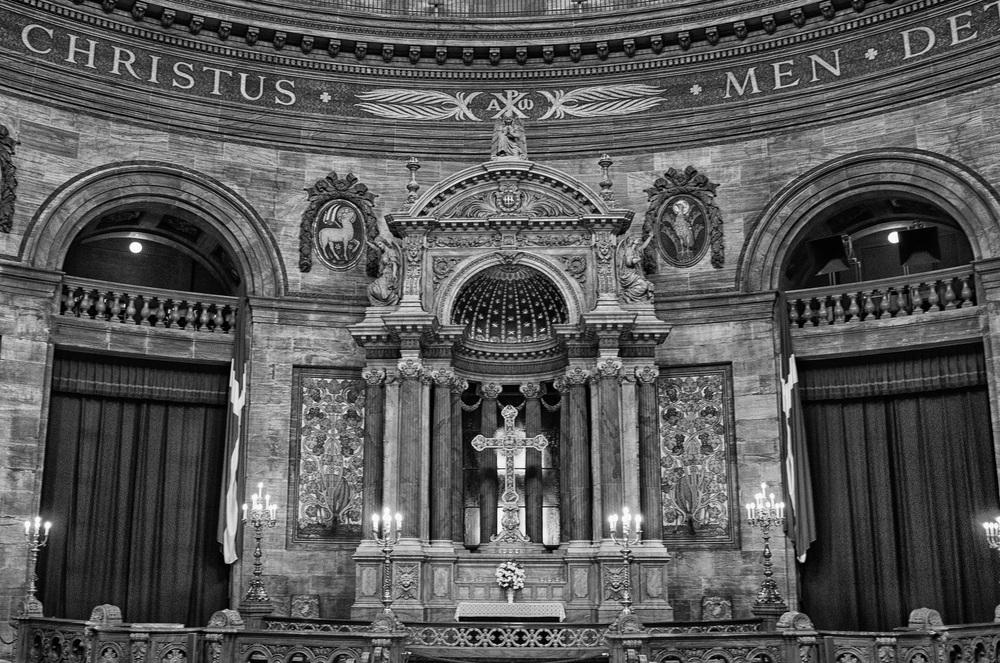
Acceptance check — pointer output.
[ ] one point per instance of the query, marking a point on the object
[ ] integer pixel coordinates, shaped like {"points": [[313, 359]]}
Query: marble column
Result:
{"points": [[532, 393], [411, 501], [457, 387], [488, 486], [565, 458], [442, 484], [649, 452], [607, 384], [371, 498], [578, 481]]}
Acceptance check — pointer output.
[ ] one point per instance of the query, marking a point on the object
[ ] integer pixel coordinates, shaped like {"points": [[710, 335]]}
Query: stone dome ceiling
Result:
{"points": [[510, 304]]}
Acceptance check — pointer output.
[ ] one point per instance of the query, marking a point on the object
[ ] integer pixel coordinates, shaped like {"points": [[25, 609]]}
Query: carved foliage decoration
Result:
{"points": [[508, 198], [338, 224], [331, 422], [697, 456], [683, 217], [8, 179]]}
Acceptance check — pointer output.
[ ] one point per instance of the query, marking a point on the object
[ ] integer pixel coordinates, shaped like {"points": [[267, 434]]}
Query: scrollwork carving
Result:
{"points": [[458, 385], [332, 188], [413, 249], [374, 376], [575, 266], [8, 179], [491, 390], [646, 374], [604, 252], [576, 375], [531, 390], [442, 378], [610, 368], [442, 268], [410, 369]]}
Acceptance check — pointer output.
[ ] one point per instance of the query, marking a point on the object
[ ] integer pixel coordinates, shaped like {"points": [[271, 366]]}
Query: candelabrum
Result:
{"points": [[36, 536], [765, 513], [261, 514], [993, 533], [387, 531], [631, 534]]}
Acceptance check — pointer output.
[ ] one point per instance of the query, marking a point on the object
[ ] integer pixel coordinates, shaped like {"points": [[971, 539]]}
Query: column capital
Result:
{"points": [[531, 390], [577, 375], [647, 374], [458, 385], [410, 369], [560, 384], [608, 368], [374, 376], [490, 390], [442, 377]]}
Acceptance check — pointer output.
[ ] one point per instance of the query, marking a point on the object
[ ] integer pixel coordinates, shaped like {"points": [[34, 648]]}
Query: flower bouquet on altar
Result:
{"points": [[510, 576]]}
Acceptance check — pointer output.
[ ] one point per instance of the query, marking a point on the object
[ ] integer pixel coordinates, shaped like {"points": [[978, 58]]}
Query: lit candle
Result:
{"points": [[399, 522], [259, 495], [274, 511], [244, 511], [38, 525], [48, 526], [613, 519], [749, 510], [375, 523], [27, 527], [267, 502], [781, 509], [638, 520]]}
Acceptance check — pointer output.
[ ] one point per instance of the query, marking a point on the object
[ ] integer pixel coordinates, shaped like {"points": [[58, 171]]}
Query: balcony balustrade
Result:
{"points": [[115, 303], [869, 301]]}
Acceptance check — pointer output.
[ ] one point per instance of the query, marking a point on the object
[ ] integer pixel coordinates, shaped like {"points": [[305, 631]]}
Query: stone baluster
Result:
{"points": [[116, 308], [488, 486], [161, 314], [870, 307], [966, 292], [606, 378], [174, 315], [533, 487], [85, 304], [949, 295], [203, 317], [577, 511], [101, 306], [650, 497], [810, 315], [885, 305], [130, 310], [899, 298], [217, 319], [933, 298], [144, 313], [853, 310], [838, 309], [410, 436], [823, 314], [916, 300], [371, 496], [442, 459], [457, 388], [793, 314]]}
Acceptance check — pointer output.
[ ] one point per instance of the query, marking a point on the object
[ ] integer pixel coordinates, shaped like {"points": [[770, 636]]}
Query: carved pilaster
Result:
{"points": [[607, 396], [604, 256], [413, 252]]}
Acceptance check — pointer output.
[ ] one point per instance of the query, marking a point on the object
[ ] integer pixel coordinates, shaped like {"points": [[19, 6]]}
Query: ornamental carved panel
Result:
{"points": [[683, 219], [8, 179], [328, 440], [697, 457], [339, 225]]}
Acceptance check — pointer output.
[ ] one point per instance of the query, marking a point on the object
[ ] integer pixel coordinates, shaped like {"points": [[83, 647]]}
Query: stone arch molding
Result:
{"points": [[101, 190], [957, 190], [468, 268]]}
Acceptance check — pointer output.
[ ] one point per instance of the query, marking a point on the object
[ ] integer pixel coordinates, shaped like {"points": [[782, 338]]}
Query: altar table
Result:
{"points": [[526, 611]]}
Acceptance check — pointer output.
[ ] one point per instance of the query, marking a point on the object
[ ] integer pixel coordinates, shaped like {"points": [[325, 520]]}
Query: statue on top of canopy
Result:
{"points": [[509, 141]]}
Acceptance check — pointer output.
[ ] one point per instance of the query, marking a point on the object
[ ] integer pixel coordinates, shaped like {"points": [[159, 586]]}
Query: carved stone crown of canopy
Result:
{"points": [[509, 261]]}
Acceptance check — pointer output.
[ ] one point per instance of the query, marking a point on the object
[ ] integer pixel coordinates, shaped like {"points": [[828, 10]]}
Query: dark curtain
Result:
{"points": [[133, 467], [903, 471]]}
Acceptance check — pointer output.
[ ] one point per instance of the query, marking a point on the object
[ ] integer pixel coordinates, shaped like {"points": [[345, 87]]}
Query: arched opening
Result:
{"points": [[155, 246], [867, 231]]}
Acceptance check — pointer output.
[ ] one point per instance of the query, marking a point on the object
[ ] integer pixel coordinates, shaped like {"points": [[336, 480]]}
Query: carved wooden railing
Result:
{"points": [[227, 640], [132, 305], [915, 294]]}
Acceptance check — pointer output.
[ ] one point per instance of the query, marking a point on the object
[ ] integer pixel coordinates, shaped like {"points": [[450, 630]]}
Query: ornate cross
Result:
{"points": [[508, 444]]}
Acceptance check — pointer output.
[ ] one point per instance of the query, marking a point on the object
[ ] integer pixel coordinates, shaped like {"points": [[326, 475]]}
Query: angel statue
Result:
{"points": [[632, 283], [509, 141], [385, 290]]}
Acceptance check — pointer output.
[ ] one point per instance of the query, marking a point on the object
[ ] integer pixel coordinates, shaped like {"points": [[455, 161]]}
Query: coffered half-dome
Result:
{"points": [[510, 304]]}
